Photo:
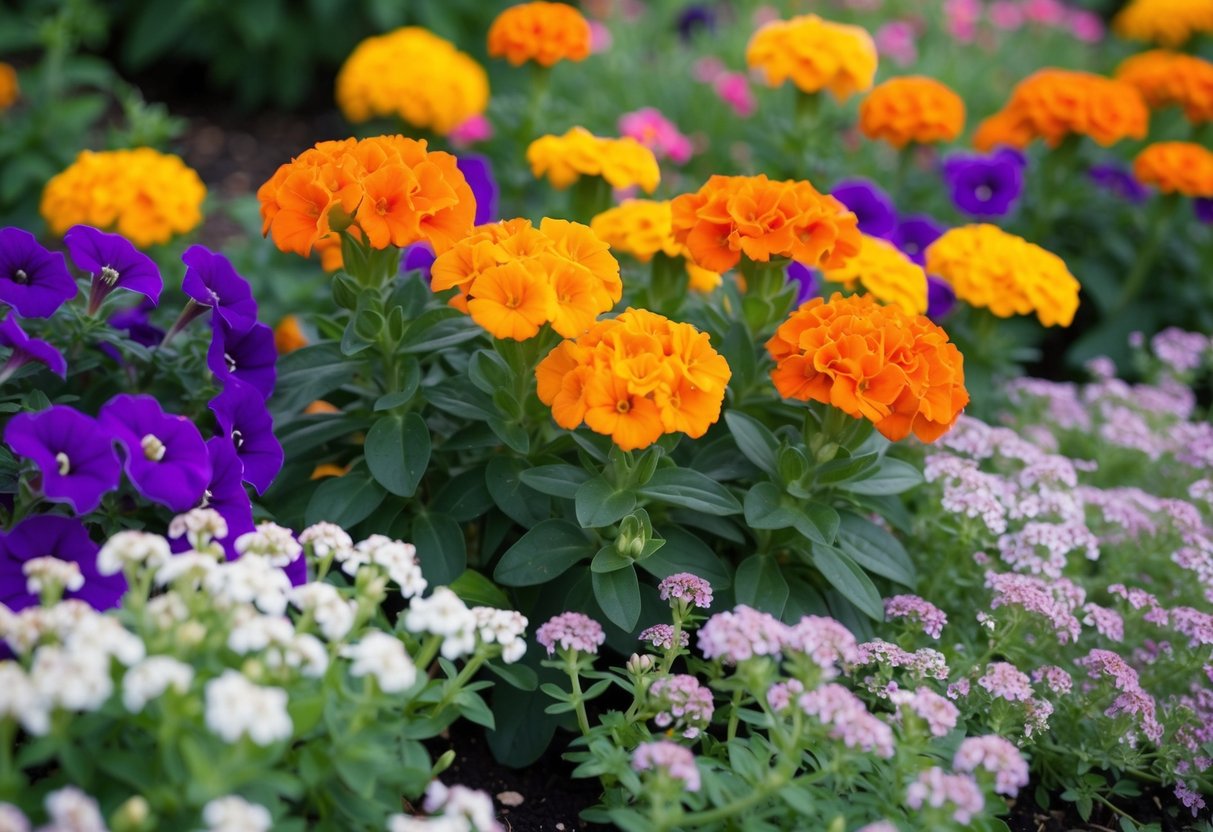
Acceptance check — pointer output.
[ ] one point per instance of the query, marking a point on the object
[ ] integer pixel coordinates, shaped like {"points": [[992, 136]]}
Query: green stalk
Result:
{"points": [[1156, 232]]}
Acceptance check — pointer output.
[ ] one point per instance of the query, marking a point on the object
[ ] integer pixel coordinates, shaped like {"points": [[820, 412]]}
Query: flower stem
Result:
{"points": [[1156, 232], [583, 721]]}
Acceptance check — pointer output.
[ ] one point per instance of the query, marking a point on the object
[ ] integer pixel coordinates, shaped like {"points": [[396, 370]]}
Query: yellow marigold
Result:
{"points": [[912, 109], [1172, 78], [1176, 167], [541, 32], [815, 55], [1052, 104], [896, 369], [416, 75], [10, 91], [990, 268], [623, 163], [512, 278], [1168, 22], [634, 378], [387, 190], [758, 217], [145, 195], [644, 228], [884, 273]]}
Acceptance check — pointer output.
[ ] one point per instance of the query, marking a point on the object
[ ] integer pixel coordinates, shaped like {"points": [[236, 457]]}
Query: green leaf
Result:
{"points": [[768, 507], [845, 468], [686, 488], [512, 434], [608, 559], [441, 547], [398, 451], [618, 594], [306, 433], [489, 372], [892, 476], [458, 397], [875, 549], [408, 388], [685, 552], [523, 729], [600, 504], [849, 579], [518, 675], [345, 501], [308, 374], [541, 554], [555, 480], [502, 476], [756, 443], [465, 496], [759, 582], [438, 329], [475, 590]]}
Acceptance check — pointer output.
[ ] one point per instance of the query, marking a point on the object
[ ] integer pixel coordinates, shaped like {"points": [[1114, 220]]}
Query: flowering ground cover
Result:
{"points": [[653, 416]]}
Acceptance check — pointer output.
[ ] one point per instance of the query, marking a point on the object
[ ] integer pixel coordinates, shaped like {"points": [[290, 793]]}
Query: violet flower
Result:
{"points": [[226, 495], [941, 298], [73, 451], [65, 538], [418, 257], [1119, 182], [245, 421], [114, 263], [874, 208], [1202, 206], [33, 280], [137, 325], [248, 356], [985, 186], [212, 283], [913, 234], [478, 171], [806, 280], [165, 457], [26, 350], [695, 18]]}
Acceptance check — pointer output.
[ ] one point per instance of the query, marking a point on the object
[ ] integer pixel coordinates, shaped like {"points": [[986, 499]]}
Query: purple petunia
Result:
{"points": [[1118, 181], [913, 234], [985, 186], [73, 451], [226, 493], [478, 171], [418, 257], [33, 280], [137, 325], [874, 208], [806, 281], [248, 356], [26, 350], [166, 459], [66, 539], [114, 263], [245, 421], [940, 298], [1202, 206], [212, 283]]}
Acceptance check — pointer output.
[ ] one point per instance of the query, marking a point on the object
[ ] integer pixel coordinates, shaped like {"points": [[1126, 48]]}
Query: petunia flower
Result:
{"points": [[985, 186], [137, 325], [33, 280], [478, 171], [419, 257], [166, 458], [73, 451], [66, 539], [248, 356], [874, 208], [245, 421], [806, 279], [26, 350], [225, 494], [1202, 206], [213, 283], [940, 298], [913, 234], [1119, 182], [114, 263]]}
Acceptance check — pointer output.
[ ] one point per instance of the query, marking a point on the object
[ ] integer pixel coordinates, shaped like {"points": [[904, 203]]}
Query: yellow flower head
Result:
{"points": [[1176, 167], [644, 228], [621, 162], [10, 91], [1166, 22], [815, 55], [145, 195], [1172, 78], [884, 273], [987, 267], [416, 75], [912, 109]]}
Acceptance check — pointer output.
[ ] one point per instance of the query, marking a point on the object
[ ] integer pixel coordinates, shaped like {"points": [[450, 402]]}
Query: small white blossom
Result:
{"points": [[235, 707], [132, 548], [167, 610], [46, 572], [326, 539], [150, 678], [333, 613], [188, 568], [444, 614], [89, 673], [71, 810], [304, 652], [250, 580], [504, 627], [382, 656], [235, 814], [19, 700], [199, 527], [13, 819], [257, 632], [397, 559], [270, 541]]}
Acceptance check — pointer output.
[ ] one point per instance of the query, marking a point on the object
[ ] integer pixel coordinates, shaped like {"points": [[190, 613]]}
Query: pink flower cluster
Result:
{"points": [[1180, 351], [741, 634], [1055, 602], [964, 16], [733, 88], [939, 714], [683, 586], [937, 789], [826, 642], [848, 720], [669, 757], [571, 631], [1005, 681], [1055, 679], [662, 636], [781, 694], [930, 617], [683, 703], [656, 132], [996, 756], [924, 663], [1133, 699]]}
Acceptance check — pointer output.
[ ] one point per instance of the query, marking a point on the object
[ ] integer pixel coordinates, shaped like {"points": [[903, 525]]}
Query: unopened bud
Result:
{"points": [[131, 816], [639, 664]]}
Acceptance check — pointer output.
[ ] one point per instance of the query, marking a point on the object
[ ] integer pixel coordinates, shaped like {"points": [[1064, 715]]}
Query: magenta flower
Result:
{"points": [[571, 631], [246, 355], [656, 132], [898, 42], [668, 757], [682, 703], [471, 131], [246, 423], [73, 451], [662, 636], [683, 586], [165, 457], [66, 539], [33, 280], [114, 263], [733, 88], [27, 350]]}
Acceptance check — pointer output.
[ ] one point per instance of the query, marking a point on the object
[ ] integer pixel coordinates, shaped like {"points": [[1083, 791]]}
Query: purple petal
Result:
{"points": [[478, 171], [26, 349], [64, 538], [211, 280], [913, 234], [418, 257], [806, 281], [166, 459], [95, 251], [245, 421], [226, 495], [875, 210], [985, 186], [33, 280], [1118, 181], [1202, 206], [73, 451], [248, 356], [940, 298]]}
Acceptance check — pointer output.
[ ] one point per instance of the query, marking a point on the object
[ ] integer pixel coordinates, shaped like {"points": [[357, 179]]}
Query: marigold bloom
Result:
{"points": [[545, 33], [752, 215], [1052, 104], [815, 55], [897, 370], [144, 195], [884, 273], [987, 267], [416, 75], [10, 90], [644, 228], [288, 335], [1167, 22], [624, 163], [1176, 167], [388, 190], [634, 378], [1172, 78], [912, 109]]}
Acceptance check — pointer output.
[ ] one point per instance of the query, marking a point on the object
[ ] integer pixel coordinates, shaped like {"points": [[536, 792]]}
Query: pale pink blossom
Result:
{"points": [[472, 130], [996, 756], [733, 88], [677, 762], [897, 41], [936, 789], [571, 631]]}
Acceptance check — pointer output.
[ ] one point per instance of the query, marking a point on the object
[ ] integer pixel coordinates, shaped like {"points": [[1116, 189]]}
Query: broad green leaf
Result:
{"points": [[309, 432], [489, 372], [686, 488], [459, 398], [475, 590], [685, 552], [308, 374], [502, 476], [757, 443], [441, 547], [465, 496], [759, 582], [518, 675], [555, 480], [892, 476], [600, 504], [438, 329], [845, 468], [398, 451], [875, 549], [618, 593], [541, 554], [608, 559], [345, 501], [849, 579]]}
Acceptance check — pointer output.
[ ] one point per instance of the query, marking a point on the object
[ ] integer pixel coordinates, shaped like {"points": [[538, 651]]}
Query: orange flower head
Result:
{"points": [[545, 33], [10, 90], [815, 55], [885, 273], [1176, 168], [874, 362], [912, 109], [288, 335], [624, 163], [644, 228], [1167, 22], [987, 267], [1167, 79]]}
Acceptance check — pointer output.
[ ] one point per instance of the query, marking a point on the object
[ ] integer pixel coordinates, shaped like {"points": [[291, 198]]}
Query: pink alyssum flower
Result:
{"points": [[926, 663], [997, 756], [1056, 679], [1106, 622], [1005, 681], [670, 757], [1035, 596], [683, 586], [662, 636], [782, 694], [939, 714], [825, 641], [571, 631], [936, 789], [848, 719], [741, 634], [930, 617], [656, 132], [683, 703]]}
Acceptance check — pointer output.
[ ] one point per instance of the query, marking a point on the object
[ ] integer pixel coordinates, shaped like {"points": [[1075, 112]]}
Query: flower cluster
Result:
{"points": [[1176, 167], [1168, 22], [623, 163], [571, 631], [644, 228], [876, 362], [415, 75], [545, 33], [143, 194], [1166, 78], [992, 269], [885, 273], [910, 109], [815, 55], [656, 132], [634, 378], [512, 278]]}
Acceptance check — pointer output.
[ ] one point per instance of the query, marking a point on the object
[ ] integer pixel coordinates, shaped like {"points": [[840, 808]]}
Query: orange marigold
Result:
{"points": [[897, 370], [815, 55], [990, 268], [644, 228], [512, 278], [288, 335], [541, 32], [1168, 22], [623, 163], [388, 190], [634, 378], [1172, 78], [912, 109], [884, 273], [1052, 104], [10, 91], [758, 217], [1176, 167]]}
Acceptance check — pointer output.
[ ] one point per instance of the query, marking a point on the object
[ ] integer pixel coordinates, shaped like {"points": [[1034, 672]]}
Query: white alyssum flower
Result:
{"points": [[70, 679], [270, 541], [235, 814], [504, 627], [235, 707], [167, 610], [304, 652], [397, 559], [257, 632], [132, 548], [248, 580], [13, 819], [46, 572], [27, 629], [71, 810], [187, 569], [150, 678], [383, 657], [471, 805], [104, 636], [199, 527], [332, 612], [21, 701], [444, 614], [326, 539]]}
